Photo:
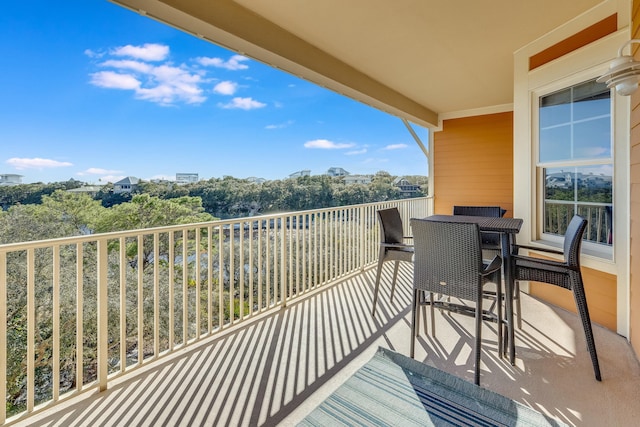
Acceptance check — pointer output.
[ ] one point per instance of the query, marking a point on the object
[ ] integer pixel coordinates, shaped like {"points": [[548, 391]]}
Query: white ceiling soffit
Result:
{"points": [[412, 58]]}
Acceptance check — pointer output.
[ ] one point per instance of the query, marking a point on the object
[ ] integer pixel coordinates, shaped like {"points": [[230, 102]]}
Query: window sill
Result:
{"points": [[604, 254]]}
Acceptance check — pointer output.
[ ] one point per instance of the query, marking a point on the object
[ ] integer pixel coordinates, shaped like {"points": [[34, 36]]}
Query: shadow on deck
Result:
{"points": [[279, 366]]}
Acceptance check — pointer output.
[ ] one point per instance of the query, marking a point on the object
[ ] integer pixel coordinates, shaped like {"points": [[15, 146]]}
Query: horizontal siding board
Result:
{"points": [[473, 162]]}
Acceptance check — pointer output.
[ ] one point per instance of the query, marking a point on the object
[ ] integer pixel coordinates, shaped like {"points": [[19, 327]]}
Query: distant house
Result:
{"points": [[126, 185], [407, 189], [337, 172], [186, 178], [256, 180], [305, 172], [357, 179], [10, 179]]}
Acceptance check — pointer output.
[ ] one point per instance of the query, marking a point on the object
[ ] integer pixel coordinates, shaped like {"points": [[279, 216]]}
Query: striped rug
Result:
{"points": [[394, 390]]}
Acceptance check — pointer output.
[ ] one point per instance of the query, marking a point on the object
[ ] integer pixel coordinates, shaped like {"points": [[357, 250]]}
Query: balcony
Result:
{"points": [[254, 322]]}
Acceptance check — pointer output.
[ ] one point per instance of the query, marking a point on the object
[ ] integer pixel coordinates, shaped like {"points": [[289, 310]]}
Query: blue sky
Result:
{"points": [[95, 92]]}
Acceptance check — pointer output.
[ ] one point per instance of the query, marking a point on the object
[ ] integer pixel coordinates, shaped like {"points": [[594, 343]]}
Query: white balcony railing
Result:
{"points": [[82, 310]]}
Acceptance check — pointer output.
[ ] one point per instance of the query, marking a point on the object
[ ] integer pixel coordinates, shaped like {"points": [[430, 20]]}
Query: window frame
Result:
{"points": [[539, 167], [601, 251]]}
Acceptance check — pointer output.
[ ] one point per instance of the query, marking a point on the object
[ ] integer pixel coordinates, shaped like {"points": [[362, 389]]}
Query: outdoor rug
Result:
{"points": [[395, 390]]}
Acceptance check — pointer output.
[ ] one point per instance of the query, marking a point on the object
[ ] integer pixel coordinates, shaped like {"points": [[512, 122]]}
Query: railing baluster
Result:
{"points": [[290, 240], [103, 311], [268, 265], [55, 394], [305, 255], [123, 303], [260, 264], [220, 277], [232, 275], [209, 279], [79, 316], [3, 337], [283, 263], [172, 290], [139, 266], [156, 295], [31, 328], [241, 286], [185, 288], [198, 272]]}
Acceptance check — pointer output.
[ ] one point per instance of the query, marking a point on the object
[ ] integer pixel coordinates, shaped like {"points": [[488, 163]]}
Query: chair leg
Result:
{"points": [[583, 309], [378, 273], [516, 297], [476, 375], [499, 298], [395, 275], [432, 297], [424, 312], [414, 320]]}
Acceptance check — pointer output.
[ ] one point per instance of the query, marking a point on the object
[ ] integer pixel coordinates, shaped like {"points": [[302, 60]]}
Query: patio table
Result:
{"points": [[507, 228]]}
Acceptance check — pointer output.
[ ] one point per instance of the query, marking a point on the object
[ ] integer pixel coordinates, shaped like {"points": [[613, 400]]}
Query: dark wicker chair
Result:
{"points": [[448, 261], [565, 274], [490, 241], [392, 248], [491, 245]]}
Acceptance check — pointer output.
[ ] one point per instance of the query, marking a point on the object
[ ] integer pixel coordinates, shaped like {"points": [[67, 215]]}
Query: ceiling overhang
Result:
{"points": [[416, 59]]}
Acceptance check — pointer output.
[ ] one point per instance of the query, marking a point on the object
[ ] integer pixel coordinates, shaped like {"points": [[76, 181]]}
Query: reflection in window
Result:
{"points": [[575, 160]]}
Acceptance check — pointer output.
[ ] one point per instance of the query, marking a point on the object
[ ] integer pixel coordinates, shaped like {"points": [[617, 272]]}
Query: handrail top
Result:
{"points": [[60, 241]]}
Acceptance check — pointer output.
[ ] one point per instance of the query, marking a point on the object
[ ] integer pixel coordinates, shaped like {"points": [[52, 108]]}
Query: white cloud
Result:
{"points": [[164, 84], [234, 63], [91, 54], [36, 163], [226, 88], [243, 104], [98, 171], [129, 64], [280, 126], [356, 152], [113, 80], [146, 52], [395, 146], [327, 145], [170, 84]]}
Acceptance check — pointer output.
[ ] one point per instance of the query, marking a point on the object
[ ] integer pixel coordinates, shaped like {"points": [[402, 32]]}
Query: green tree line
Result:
{"points": [[231, 197]]}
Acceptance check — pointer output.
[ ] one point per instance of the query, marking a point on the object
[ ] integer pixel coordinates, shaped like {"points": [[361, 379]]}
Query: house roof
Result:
{"points": [[418, 59], [129, 180]]}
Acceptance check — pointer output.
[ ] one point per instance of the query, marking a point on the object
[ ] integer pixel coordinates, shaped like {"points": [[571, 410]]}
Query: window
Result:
{"points": [[575, 161]]}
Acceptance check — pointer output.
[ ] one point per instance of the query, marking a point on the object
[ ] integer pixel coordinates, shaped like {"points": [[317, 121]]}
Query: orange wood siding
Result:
{"points": [[634, 297], [473, 162], [473, 165], [590, 34], [601, 296]]}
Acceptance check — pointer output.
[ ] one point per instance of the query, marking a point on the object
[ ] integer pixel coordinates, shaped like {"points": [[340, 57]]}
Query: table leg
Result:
{"points": [[506, 240]]}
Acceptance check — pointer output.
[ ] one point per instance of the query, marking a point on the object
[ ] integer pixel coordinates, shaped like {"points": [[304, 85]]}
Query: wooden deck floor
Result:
{"points": [[277, 368]]}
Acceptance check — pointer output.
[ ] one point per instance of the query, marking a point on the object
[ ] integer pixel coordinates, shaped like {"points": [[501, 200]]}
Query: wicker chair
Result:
{"points": [[490, 241], [565, 274], [491, 245], [448, 261], [392, 248]]}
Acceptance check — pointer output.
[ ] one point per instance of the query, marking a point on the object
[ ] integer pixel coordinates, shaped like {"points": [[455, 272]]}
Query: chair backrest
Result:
{"points": [[391, 230], [448, 258], [573, 240], [492, 211]]}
